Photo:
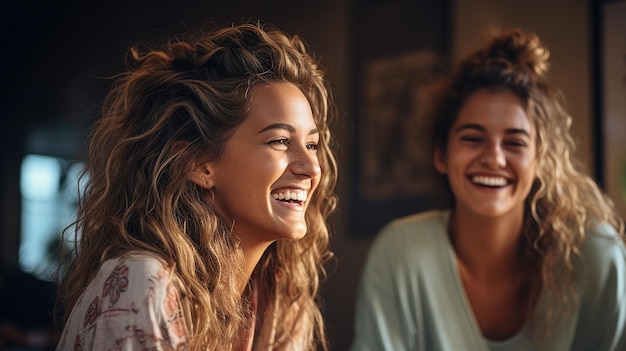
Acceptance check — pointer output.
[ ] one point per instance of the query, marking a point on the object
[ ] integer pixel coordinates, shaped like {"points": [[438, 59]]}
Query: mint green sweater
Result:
{"points": [[411, 297]]}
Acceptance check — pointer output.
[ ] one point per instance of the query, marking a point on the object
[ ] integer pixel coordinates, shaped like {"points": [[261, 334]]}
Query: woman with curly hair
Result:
{"points": [[530, 255], [210, 177]]}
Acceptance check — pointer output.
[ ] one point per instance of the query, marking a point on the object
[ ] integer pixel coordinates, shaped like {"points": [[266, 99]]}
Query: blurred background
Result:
{"points": [[55, 53]]}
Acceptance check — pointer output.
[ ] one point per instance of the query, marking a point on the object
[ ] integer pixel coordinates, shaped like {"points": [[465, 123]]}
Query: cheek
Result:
{"points": [[530, 174], [528, 165], [315, 182], [454, 171], [458, 161], [268, 171], [528, 160]]}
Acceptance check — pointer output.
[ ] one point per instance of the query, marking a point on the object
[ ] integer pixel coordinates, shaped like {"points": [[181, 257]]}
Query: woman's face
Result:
{"points": [[268, 172], [490, 159]]}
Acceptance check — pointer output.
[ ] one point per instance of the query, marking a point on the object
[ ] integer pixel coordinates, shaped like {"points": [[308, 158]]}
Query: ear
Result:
{"points": [[203, 175], [439, 161]]}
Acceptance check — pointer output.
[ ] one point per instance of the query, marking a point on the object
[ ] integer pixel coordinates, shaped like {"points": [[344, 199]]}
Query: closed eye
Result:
{"points": [[471, 139], [516, 143]]}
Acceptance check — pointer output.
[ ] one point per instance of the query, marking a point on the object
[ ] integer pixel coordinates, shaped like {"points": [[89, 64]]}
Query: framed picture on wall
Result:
{"points": [[401, 49], [610, 93]]}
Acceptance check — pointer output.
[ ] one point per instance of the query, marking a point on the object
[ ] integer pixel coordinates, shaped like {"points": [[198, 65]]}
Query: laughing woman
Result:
{"points": [[210, 178], [531, 254]]}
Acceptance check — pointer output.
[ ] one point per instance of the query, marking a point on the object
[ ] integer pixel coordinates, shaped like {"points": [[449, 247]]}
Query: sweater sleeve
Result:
{"points": [[383, 319], [602, 323]]}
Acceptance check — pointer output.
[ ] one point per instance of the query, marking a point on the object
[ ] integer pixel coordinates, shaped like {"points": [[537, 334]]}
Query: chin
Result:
{"points": [[295, 234], [494, 213], [291, 229]]}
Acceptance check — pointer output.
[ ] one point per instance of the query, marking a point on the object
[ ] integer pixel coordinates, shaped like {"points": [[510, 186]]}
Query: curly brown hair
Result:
{"points": [[178, 102], [564, 201]]}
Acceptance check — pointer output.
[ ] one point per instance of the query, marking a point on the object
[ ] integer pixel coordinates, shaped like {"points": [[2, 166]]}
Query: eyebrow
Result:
{"points": [[473, 126], [287, 127]]}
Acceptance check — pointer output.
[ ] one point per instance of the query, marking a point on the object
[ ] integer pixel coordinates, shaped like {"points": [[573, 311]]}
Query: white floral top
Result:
{"points": [[132, 304]]}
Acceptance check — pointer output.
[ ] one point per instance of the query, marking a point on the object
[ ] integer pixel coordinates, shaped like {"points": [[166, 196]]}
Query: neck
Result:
{"points": [[487, 248], [252, 253]]}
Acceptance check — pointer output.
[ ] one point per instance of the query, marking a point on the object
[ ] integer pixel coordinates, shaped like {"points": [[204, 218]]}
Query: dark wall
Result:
{"points": [[56, 52]]}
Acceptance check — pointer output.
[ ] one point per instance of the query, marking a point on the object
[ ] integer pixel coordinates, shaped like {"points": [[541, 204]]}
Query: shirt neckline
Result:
{"points": [[461, 294]]}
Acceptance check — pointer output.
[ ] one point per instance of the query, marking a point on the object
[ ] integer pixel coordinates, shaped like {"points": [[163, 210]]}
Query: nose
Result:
{"points": [[306, 163], [493, 155]]}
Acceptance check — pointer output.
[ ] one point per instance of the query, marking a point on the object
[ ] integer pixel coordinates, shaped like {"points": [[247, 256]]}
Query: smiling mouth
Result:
{"points": [[492, 182], [290, 196]]}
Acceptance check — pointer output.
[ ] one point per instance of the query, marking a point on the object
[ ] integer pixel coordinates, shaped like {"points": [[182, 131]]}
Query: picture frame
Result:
{"points": [[401, 49], [609, 33]]}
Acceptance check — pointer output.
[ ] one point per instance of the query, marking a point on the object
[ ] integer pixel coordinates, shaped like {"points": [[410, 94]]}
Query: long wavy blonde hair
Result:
{"points": [[176, 103], [564, 201]]}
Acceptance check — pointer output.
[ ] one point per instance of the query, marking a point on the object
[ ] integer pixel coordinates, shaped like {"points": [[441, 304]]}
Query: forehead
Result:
{"points": [[494, 110], [277, 103]]}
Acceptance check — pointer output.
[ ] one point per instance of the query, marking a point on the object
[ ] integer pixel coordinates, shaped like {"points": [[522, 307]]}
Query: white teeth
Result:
{"points": [[489, 181], [296, 195]]}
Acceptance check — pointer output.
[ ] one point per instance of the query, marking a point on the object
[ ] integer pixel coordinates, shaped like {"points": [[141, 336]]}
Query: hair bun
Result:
{"points": [[520, 48]]}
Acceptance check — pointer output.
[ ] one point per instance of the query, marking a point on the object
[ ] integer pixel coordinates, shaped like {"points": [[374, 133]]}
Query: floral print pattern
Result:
{"points": [[78, 344], [93, 311], [116, 283], [132, 304]]}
